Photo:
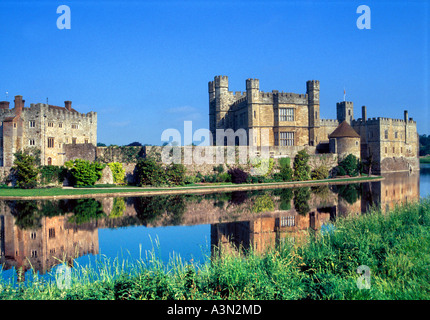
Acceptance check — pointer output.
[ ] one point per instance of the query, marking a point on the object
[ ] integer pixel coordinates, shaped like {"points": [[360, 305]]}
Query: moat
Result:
{"points": [[42, 233]]}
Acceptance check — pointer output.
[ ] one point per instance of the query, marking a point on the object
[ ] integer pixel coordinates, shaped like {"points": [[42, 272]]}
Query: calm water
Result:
{"points": [[190, 226]]}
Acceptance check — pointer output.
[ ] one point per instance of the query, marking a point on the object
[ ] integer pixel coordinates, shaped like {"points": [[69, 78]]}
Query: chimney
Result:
{"points": [[406, 115], [68, 105], [364, 113], [19, 104], [4, 104]]}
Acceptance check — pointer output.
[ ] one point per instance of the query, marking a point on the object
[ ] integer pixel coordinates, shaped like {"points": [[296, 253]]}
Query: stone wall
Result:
{"points": [[86, 151]]}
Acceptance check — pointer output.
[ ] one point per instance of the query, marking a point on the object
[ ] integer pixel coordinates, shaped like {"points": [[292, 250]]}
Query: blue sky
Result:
{"points": [[144, 66]]}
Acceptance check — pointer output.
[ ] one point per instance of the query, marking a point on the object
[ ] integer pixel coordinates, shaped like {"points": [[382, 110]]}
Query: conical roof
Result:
{"points": [[344, 130]]}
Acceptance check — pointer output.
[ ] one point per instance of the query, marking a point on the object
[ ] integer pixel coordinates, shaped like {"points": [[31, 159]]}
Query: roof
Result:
{"points": [[61, 108], [344, 130]]}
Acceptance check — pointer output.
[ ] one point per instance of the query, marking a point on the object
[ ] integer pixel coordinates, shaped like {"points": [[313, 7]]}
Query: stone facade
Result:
{"points": [[278, 119], [45, 127]]}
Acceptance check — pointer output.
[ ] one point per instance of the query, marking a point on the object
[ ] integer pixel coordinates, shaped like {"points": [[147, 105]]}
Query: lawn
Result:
{"points": [[6, 192]]}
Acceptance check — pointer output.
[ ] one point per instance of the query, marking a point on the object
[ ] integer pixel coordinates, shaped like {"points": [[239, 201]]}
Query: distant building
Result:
{"points": [[45, 127], [293, 120]]}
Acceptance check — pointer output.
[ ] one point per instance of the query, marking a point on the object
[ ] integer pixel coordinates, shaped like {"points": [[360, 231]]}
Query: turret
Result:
{"points": [[313, 92], [345, 111]]}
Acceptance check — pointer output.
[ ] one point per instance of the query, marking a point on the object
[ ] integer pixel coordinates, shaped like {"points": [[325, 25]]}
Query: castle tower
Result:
{"points": [[345, 111], [313, 92], [253, 96]]}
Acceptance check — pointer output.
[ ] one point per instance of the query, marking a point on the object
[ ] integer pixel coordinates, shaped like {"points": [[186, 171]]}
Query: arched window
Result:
{"points": [[49, 161]]}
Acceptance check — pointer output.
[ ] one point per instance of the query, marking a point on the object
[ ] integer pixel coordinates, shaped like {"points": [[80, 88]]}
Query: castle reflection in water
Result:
{"points": [[42, 234]]}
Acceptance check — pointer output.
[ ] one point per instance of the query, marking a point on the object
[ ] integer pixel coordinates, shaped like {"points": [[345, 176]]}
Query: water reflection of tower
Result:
{"points": [[44, 245], [261, 233]]}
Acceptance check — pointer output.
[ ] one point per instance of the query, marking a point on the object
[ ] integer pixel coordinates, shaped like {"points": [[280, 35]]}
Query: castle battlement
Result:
{"points": [[329, 122]]}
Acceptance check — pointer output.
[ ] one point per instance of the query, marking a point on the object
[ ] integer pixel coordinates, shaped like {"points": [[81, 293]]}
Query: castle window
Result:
{"points": [[33, 235], [34, 253], [86, 140], [50, 142], [51, 232], [386, 134], [74, 140], [32, 123], [401, 150], [14, 125], [74, 126], [49, 161], [31, 142], [60, 125], [386, 150], [286, 114], [395, 134], [394, 150], [51, 124], [255, 115], [286, 139]]}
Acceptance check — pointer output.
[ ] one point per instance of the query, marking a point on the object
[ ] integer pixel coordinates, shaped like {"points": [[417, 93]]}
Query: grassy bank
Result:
{"points": [[393, 245], [425, 159], [9, 192]]}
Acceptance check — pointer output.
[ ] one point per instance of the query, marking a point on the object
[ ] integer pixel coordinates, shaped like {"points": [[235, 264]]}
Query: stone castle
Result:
{"points": [[51, 129], [289, 121]]}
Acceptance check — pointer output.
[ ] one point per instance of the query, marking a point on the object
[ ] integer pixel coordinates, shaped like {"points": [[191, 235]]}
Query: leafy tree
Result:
{"points": [[238, 175], [149, 172], [351, 165], [135, 144], [424, 145], [176, 174], [25, 169], [320, 173], [118, 172], [100, 144], [301, 168], [84, 172]]}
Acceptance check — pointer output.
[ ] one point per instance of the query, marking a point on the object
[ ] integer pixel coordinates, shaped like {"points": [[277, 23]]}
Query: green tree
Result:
{"points": [[351, 165], [320, 173], [149, 172], [25, 169], [176, 174], [84, 172], [301, 168], [118, 172]]}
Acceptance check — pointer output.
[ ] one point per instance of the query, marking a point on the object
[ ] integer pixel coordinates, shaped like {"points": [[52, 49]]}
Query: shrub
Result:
{"points": [[25, 169], [224, 177], [351, 165], [176, 174], [219, 169], [320, 173], [84, 172], [118, 172], [301, 167], [52, 174], [238, 175], [149, 172], [263, 167]]}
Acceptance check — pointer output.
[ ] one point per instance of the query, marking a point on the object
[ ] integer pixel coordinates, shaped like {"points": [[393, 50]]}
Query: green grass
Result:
{"points": [[109, 189], [393, 245], [425, 159]]}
